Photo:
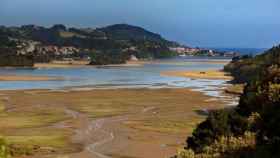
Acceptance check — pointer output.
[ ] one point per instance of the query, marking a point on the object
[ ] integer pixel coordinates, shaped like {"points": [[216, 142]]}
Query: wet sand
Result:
{"points": [[143, 123], [205, 74]]}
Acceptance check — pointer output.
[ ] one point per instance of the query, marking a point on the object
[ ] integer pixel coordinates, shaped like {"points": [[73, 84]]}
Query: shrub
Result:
{"points": [[224, 147], [219, 123], [4, 150]]}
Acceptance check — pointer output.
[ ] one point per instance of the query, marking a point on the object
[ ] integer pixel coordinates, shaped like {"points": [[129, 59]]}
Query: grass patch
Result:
{"points": [[164, 126], [66, 34], [55, 139], [32, 141], [102, 109], [99, 113], [36, 118], [2, 107], [28, 130]]}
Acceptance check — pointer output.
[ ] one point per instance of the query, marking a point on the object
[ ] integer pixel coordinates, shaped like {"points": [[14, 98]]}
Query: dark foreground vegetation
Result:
{"points": [[252, 129]]}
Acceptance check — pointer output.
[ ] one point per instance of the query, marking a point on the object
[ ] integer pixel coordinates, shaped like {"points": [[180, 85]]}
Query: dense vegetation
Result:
{"points": [[247, 68], [9, 56], [108, 57], [128, 32], [252, 129]]}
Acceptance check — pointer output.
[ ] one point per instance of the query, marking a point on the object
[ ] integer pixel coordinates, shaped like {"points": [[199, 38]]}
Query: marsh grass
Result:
{"points": [[164, 126], [28, 129], [32, 118]]}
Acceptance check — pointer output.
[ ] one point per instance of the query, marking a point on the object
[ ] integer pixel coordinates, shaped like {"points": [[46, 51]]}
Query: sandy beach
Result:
{"points": [[28, 78], [196, 61], [205, 74], [141, 123]]}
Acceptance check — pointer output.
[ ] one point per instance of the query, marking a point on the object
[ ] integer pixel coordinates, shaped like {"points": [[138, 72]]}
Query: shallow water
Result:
{"points": [[147, 76]]}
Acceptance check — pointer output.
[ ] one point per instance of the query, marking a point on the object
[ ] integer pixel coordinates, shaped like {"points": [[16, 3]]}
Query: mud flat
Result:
{"points": [[102, 123]]}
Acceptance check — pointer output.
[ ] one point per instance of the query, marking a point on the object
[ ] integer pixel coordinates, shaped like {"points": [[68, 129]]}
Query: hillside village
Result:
{"points": [[114, 44]]}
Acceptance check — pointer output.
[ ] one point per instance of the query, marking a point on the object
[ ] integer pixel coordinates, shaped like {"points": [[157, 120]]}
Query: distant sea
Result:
{"points": [[243, 51]]}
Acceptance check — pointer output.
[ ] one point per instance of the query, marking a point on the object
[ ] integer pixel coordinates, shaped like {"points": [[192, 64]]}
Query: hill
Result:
{"points": [[121, 39], [85, 37], [129, 32]]}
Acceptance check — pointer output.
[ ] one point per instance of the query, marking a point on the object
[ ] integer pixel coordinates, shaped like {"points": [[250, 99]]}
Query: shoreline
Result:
{"points": [[78, 64], [85, 63], [61, 64]]}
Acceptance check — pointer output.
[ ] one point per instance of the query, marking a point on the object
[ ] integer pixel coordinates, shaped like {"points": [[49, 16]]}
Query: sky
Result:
{"points": [[202, 23]]}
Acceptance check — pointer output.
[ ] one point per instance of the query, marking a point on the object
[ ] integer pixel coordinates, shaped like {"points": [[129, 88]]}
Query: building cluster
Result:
{"points": [[186, 51], [58, 51], [51, 51]]}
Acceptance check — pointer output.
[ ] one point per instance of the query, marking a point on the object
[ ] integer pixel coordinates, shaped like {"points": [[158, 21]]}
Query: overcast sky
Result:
{"points": [[204, 23]]}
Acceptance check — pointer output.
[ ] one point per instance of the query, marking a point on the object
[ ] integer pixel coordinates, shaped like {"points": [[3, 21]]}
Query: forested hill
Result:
{"points": [[115, 36], [113, 44], [252, 129], [129, 32]]}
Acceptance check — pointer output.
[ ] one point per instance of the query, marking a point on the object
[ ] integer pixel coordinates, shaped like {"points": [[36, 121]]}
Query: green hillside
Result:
{"points": [[114, 36]]}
